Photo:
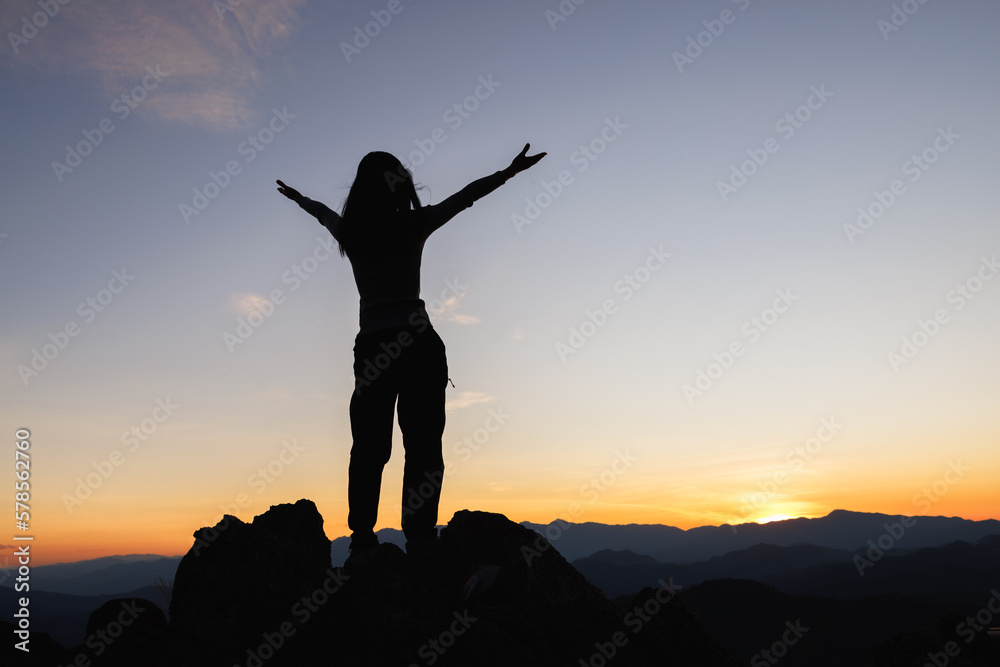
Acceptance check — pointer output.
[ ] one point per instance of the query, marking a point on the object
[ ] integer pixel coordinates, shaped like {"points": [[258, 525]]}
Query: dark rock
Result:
{"points": [[952, 642], [242, 580], [122, 630], [42, 649], [126, 618], [488, 593]]}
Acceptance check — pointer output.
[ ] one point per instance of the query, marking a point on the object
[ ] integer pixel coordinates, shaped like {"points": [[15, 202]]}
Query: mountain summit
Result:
{"points": [[487, 592]]}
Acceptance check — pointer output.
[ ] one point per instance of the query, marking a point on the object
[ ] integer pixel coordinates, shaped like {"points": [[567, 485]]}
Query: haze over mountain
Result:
{"points": [[100, 576], [250, 593], [840, 530], [957, 573], [755, 578]]}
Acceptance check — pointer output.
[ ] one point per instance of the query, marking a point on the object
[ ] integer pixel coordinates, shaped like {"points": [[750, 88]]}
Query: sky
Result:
{"points": [[753, 277]]}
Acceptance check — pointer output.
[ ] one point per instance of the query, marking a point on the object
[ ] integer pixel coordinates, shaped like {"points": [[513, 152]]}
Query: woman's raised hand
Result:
{"points": [[523, 161], [291, 193]]}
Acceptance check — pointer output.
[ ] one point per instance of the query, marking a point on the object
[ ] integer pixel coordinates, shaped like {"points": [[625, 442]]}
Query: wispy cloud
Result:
{"points": [[246, 303], [216, 64], [465, 399], [446, 309], [459, 318], [287, 393]]}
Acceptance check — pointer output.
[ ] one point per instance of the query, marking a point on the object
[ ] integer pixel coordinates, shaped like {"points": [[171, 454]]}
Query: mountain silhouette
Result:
{"points": [[488, 592], [623, 572], [889, 630], [242, 582], [840, 529]]}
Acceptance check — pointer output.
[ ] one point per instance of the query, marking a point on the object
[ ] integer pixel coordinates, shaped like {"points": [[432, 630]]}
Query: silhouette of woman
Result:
{"points": [[399, 360]]}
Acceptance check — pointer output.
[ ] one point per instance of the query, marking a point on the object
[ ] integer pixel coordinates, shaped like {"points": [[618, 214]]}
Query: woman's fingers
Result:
{"points": [[524, 161], [291, 193]]}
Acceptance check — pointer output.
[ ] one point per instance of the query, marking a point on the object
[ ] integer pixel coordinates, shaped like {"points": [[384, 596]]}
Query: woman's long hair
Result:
{"points": [[382, 189]]}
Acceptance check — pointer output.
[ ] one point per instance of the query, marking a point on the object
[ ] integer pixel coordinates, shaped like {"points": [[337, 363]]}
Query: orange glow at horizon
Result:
{"points": [[145, 519], [171, 534]]}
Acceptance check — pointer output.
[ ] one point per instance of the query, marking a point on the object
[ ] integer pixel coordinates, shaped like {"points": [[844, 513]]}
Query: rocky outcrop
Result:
{"points": [[488, 592], [240, 580]]}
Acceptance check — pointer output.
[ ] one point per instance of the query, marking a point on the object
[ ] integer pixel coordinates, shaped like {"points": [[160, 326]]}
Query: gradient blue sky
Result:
{"points": [[520, 289]]}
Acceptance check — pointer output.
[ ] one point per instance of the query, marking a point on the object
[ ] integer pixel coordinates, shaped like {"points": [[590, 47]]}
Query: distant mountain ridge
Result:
{"points": [[620, 572], [840, 530], [820, 582], [101, 576], [959, 573], [265, 593]]}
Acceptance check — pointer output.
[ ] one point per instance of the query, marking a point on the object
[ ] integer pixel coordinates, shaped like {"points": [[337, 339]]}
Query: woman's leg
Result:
{"points": [[421, 419], [372, 407]]}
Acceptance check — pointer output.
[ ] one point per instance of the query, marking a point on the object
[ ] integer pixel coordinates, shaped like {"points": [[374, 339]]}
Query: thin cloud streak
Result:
{"points": [[216, 65], [465, 399]]}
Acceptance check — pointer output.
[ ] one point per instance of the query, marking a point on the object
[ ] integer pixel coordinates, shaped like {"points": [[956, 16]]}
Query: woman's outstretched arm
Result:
{"points": [[438, 214], [326, 216]]}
